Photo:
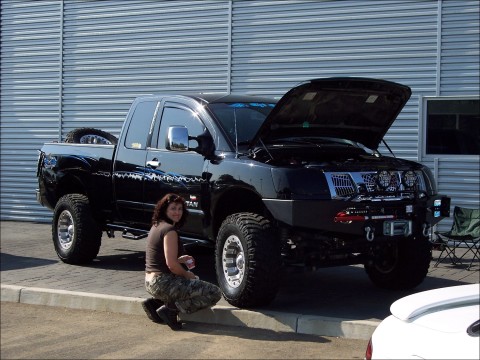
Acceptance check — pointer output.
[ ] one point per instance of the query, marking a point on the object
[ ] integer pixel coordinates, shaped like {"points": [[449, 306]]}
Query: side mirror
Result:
{"points": [[177, 138], [206, 146]]}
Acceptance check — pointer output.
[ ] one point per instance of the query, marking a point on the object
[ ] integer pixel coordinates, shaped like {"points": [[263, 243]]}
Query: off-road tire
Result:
{"points": [[401, 266], [260, 253], [90, 136], [76, 235]]}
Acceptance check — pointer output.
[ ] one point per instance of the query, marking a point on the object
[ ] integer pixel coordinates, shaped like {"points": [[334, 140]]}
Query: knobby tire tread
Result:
{"points": [[264, 261], [87, 233], [412, 268]]}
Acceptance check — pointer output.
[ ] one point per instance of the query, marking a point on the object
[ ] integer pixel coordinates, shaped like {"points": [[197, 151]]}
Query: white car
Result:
{"points": [[435, 324]]}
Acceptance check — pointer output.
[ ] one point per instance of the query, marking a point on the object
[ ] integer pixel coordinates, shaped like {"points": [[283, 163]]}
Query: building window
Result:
{"points": [[453, 127]]}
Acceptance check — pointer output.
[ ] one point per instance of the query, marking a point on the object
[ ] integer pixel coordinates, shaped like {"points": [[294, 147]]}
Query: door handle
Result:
{"points": [[153, 163]]}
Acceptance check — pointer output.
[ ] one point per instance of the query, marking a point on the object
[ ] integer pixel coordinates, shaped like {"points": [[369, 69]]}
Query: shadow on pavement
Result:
{"points": [[344, 292], [128, 260], [14, 262]]}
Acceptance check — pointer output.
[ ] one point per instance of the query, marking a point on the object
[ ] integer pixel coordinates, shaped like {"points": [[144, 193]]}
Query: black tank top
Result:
{"points": [[155, 254]]}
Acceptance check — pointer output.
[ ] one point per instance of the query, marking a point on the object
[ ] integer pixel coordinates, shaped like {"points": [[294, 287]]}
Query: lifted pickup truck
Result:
{"points": [[267, 184]]}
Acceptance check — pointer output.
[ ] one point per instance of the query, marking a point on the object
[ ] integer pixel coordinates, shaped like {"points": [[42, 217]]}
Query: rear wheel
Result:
{"points": [[401, 265], [76, 235], [248, 260]]}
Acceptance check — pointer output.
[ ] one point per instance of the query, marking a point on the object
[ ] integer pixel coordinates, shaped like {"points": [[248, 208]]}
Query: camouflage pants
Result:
{"points": [[188, 295]]}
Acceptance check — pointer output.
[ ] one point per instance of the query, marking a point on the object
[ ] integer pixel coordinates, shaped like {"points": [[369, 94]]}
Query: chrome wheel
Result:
{"points": [[94, 139], [233, 261], [65, 230]]}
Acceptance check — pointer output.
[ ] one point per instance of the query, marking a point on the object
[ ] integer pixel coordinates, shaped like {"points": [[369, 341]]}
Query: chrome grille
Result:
{"points": [[349, 184], [344, 185]]}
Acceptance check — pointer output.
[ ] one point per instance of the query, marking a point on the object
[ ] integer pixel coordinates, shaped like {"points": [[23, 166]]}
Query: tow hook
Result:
{"points": [[426, 229], [370, 233]]}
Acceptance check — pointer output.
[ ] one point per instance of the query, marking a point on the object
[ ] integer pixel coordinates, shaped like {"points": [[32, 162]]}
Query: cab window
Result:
{"points": [[139, 127], [172, 116]]}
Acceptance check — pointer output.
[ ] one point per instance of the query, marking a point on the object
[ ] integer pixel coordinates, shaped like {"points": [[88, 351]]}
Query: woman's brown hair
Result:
{"points": [[160, 211]]}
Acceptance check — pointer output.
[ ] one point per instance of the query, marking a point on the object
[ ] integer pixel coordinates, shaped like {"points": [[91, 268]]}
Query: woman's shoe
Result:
{"points": [[150, 306], [169, 316]]}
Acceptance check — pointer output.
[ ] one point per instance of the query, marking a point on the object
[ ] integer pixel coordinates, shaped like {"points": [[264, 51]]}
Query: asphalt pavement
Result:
{"points": [[338, 301]]}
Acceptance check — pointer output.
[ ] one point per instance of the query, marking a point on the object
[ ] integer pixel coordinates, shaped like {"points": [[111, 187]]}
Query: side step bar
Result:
{"points": [[137, 234]]}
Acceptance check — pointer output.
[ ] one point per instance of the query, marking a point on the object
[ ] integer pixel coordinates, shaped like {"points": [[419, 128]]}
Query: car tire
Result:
{"points": [[75, 233], [402, 265], [247, 260], [90, 136]]}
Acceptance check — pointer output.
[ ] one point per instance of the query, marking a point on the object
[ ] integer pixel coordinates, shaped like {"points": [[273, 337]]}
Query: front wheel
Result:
{"points": [[247, 260], [76, 235], [401, 265]]}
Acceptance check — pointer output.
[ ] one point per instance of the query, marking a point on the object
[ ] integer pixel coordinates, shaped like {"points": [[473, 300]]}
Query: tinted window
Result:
{"points": [[139, 127], [246, 117], [175, 116], [453, 127]]}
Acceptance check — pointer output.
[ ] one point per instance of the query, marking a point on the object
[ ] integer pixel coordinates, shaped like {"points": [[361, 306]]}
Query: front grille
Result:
{"points": [[343, 185]]}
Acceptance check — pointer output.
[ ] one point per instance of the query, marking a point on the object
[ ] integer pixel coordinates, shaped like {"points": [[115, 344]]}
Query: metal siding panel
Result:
{"points": [[117, 50], [30, 48], [459, 180], [277, 44], [460, 68], [459, 177]]}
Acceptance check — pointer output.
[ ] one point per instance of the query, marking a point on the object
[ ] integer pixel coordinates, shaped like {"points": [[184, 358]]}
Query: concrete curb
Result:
{"points": [[222, 315]]}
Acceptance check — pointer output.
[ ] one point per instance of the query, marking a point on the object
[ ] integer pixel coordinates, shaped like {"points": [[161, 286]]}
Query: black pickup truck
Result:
{"points": [[298, 182]]}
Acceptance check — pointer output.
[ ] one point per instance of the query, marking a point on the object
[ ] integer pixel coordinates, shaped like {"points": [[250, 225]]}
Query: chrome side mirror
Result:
{"points": [[177, 138]]}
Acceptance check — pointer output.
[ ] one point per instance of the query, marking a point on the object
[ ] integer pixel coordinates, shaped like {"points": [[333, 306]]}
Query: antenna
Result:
{"points": [[236, 134]]}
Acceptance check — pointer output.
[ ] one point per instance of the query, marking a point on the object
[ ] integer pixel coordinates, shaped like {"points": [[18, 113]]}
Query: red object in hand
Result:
{"points": [[190, 263]]}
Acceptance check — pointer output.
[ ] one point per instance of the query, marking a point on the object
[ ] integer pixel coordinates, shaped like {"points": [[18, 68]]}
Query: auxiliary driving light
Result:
{"points": [[384, 179], [409, 179]]}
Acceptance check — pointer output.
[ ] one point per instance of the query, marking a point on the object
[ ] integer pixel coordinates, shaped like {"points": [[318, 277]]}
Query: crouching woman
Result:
{"points": [[166, 279]]}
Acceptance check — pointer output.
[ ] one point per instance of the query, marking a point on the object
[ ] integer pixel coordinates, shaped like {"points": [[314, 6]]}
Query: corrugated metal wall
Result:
{"points": [[459, 176], [460, 48], [276, 44], [116, 50], [30, 82]]}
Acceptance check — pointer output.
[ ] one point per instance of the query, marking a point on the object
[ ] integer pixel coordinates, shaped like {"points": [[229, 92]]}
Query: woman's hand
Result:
{"points": [[184, 258], [190, 275]]}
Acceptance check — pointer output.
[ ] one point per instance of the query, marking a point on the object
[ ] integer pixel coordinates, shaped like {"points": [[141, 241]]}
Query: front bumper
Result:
{"points": [[326, 215]]}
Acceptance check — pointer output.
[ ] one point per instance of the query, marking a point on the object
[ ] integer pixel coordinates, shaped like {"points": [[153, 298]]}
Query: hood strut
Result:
{"points": [[388, 147]]}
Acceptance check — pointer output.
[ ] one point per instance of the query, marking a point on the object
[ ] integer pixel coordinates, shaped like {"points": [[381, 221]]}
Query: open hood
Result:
{"points": [[357, 109]]}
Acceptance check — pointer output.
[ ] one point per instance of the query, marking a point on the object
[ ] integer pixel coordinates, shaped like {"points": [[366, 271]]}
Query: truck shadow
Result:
{"points": [[15, 262], [342, 292], [131, 260]]}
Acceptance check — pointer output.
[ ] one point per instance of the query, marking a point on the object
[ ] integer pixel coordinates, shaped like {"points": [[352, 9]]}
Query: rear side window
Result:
{"points": [[140, 124]]}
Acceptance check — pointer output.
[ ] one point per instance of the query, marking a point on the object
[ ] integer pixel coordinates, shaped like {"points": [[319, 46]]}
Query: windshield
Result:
{"points": [[248, 116]]}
